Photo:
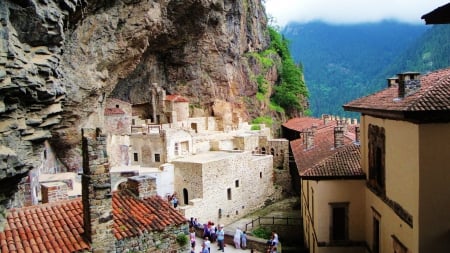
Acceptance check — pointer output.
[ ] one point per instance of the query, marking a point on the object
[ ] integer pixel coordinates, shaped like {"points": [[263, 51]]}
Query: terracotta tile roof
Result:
{"points": [[302, 123], [58, 227], [323, 146], [133, 216], [344, 163], [113, 111], [44, 228], [432, 96], [176, 98]]}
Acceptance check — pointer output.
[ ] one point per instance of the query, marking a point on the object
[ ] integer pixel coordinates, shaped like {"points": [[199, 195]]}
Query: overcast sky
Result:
{"points": [[350, 11]]}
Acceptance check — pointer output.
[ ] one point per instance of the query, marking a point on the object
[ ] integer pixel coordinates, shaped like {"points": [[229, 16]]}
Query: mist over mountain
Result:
{"points": [[344, 62]]}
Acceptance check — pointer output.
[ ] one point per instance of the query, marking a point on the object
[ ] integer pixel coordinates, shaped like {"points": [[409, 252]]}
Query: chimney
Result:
{"points": [[326, 118], [142, 186], [309, 138], [357, 134], [96, 192], [53, 192], [392, 81], [401, 85], [314, 128], [338, 136]]}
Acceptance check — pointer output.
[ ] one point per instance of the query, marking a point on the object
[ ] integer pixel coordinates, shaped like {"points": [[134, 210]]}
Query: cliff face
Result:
{"points": [[60, 60]]}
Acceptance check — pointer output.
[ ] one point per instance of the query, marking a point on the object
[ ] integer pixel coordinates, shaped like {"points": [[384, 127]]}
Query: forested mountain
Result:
{"points": [[344, 62]]}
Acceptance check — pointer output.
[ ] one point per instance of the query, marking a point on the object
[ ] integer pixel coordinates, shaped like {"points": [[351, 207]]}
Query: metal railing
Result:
{"points": [[283, 221]]}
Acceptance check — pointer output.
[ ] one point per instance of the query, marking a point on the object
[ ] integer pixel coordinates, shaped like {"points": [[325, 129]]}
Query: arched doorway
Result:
{"points": [[185, 196]]}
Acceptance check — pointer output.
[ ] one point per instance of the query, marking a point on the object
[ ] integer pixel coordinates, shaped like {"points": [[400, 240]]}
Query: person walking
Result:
{"points": [[237, 238], [244, 240], [221, 238], [208, 244], [204, 248]]}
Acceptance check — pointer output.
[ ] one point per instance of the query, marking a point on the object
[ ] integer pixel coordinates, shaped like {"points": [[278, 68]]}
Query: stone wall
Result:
{"points": [[53, 192], [224, 186], [160, 241], [96, 192]]}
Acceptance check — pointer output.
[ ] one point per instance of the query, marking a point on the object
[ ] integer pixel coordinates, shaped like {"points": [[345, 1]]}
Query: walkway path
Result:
{"points": [[214, 248], [282, 208]]}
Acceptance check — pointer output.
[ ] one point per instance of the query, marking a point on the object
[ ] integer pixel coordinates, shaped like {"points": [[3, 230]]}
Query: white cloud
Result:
{"points": [[350, 11]]}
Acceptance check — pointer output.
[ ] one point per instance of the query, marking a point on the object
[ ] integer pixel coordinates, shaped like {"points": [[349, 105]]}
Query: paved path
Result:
{"points": [[214, 248]]}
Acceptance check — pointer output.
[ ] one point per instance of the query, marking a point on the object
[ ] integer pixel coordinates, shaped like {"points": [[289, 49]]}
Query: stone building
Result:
{"points": [[222, 186], [168, 143]]}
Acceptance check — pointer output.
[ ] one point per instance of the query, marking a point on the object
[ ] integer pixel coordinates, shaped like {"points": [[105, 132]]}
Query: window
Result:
{"points": [[272, 151], [260, 174], [157, 158], [376, 234], [339, 222], [229, 193], [398, 245], [135, 156], [236, 183], [177, 148], [376, 159]]}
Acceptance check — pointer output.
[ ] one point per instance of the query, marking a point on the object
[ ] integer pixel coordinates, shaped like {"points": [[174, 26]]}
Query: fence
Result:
{"points": [[283, 221]]}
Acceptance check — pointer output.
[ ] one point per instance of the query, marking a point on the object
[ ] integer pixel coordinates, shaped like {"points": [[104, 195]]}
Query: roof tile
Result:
{"points": [[344, 163], [433, 95], [58, 227]]}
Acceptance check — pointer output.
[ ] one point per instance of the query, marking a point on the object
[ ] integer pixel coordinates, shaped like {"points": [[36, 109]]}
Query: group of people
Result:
{"points": [[213, 233], [240, 239]]}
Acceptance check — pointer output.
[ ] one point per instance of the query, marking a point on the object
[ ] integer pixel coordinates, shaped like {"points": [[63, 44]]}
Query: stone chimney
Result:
{"points": [[53, 192], [357, 134], [309, 138], [142, 186], [392, 81], [401, 85], [407, 83], [326, 118], [338, 136], [96, 192]]}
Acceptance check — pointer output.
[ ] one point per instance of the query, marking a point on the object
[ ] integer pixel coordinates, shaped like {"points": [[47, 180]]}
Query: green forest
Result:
{"points": [[345, 62]]}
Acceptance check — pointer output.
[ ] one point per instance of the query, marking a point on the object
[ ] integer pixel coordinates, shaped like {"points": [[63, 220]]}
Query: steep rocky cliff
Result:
{"points": [[60, 60]]}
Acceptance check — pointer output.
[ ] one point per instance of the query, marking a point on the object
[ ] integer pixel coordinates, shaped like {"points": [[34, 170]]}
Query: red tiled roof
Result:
{"points": [[302, 123], [113, 111], [58, 227], [176, 98], [133, 216], [432, 96], [344, 163], [44, 228], [323, 146]]}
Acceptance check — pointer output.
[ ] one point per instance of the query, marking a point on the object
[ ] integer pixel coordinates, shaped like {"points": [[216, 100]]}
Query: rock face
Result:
{"points": [[60, 60]]}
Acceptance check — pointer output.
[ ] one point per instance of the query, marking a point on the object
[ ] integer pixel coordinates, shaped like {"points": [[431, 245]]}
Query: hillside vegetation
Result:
{"points": [[344, 62]]}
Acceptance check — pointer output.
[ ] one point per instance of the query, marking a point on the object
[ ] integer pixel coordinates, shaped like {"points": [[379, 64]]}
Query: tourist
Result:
{"points": [[213, 231], [237, 238], [244, 240], [174, 201], [192, 237], [208, 244], [275, 238], [204, 248], [221, 238], [206, 232]]}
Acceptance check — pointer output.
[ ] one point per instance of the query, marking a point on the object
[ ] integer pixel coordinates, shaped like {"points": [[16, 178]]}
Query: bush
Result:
{"points": [[262, 232], [182, 239]]}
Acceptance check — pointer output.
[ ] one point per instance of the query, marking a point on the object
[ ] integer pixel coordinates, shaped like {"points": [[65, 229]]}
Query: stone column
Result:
{"points": [[96, 192]]}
